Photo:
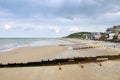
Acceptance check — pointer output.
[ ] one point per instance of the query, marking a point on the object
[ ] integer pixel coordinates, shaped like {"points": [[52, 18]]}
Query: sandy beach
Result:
{"points": [[110, 70], [59, 39], [30, 54]]}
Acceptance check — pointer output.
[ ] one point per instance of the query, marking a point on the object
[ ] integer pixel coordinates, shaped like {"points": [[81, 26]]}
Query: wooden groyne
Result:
{"points": [[77, 47], [62, 61]]}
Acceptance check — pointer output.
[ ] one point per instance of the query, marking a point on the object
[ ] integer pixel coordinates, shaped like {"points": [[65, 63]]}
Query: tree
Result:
{"points": [[115, 37], [103, 37]]}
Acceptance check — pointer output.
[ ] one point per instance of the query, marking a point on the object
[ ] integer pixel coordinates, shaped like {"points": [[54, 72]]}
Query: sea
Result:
{"points": [[7, 44]]}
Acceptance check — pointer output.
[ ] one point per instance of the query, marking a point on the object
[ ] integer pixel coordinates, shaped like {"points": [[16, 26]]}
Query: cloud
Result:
{"points": [[66, 16], [113, 15], [7, 26], [74, 29], [56, 29], [62, 19]]}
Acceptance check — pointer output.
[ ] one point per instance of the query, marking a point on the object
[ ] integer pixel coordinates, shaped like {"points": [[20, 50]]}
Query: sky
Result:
{"points": [[56, 18]]}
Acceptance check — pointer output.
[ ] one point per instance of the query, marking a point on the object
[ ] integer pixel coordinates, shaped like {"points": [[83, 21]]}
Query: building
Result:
{"points": [[111, 36], [119, 36], [97, 35], [114, 31]]}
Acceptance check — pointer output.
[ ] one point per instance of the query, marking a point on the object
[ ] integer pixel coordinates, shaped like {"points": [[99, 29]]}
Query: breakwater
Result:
{"points": [[78, 47], [62, 61]]}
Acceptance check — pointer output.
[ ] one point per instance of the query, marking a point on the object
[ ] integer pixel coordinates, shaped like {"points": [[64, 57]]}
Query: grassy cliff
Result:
{"points": [[79, 35]]}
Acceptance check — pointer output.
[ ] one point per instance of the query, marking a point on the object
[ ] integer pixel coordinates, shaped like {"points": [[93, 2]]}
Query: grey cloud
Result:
{"points": [[46, 12], [63, 8]]}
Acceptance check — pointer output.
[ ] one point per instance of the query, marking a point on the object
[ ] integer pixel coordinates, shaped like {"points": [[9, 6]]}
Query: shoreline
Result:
{"points": [[110, 70], [36, 53], [30, 53], [8, 44]]}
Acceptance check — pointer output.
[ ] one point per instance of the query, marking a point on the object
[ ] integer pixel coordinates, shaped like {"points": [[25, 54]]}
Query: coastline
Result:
{"points": [[91, 71], [37, 53], [8, 44], [29, 54]]}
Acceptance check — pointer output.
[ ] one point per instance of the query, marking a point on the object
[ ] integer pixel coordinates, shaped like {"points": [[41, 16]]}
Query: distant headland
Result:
{"points": [[111, 34]]}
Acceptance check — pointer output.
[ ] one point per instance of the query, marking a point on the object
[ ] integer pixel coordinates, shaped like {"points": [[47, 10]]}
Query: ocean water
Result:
{"points": [[7, 44]]}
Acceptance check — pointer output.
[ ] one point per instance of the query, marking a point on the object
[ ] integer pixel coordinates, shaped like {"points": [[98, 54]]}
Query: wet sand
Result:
{"points": [[30, 54]]}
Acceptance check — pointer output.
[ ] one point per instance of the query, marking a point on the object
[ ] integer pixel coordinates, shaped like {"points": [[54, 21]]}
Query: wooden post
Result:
{"points": [[80, 65], [59, 66]]}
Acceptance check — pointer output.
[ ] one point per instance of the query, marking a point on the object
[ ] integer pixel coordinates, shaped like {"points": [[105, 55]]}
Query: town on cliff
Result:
{"points": [[111, 34]]}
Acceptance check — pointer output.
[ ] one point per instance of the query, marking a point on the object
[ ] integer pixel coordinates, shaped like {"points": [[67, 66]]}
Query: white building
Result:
{"points": [[97, 35], [119, 36], [111, 35]]}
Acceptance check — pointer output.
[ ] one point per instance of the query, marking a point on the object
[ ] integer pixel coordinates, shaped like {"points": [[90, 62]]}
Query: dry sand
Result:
{"points": [[109, 70], [30, 54], [87, 52], [84, 53], [102, 46]]}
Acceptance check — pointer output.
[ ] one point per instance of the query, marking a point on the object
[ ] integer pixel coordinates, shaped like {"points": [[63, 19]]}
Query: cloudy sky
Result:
{"points": [[56, 18]]}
